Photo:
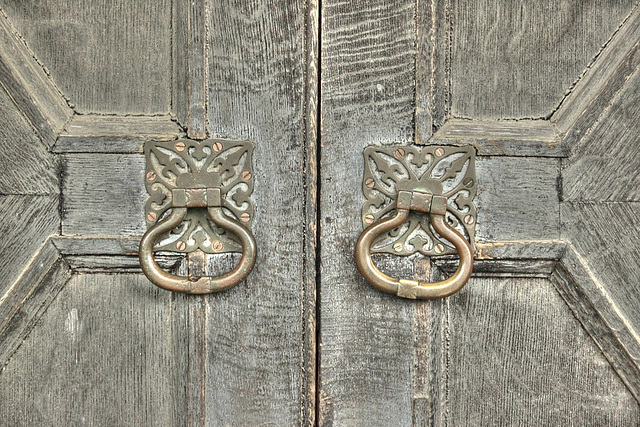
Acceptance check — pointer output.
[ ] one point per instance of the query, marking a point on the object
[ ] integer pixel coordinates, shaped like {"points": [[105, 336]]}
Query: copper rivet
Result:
{"points": [[397, 247], [181, 246], [152, 216], [246, 175], [245, 217], [399, 153], [180, 146], [217, 147], [217, 246], [151, 175], [369, 182], [439, 152], [439, 248], [468, 219], [368, 218]]}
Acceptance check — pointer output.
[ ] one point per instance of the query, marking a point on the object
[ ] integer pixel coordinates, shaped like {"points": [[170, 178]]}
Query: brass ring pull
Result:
{"points": [[205, 284], [413, 289]]}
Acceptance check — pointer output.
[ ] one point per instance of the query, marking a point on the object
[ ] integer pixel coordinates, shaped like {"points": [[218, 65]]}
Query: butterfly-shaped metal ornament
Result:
{"points": [[442, 170], [222, 164]]}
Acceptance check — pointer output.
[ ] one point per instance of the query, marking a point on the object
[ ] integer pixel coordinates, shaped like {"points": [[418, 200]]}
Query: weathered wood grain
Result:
{"points": [[524, 138], [256, 334], [308, 383], [111, 349], [103, 195], [600, 82], [605, 161], [517, 198], [594, 307], [515, 352], [28, 298], [114, 134], [27, 167], [367, 96], [25, 224], [606, 236], [189, 54], [433, 67], [517, 59], [124, 46], [29, 86]]}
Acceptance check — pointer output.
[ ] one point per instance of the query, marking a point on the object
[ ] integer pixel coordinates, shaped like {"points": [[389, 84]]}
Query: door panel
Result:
{"points": [[105, 57], [506, 349], [517, 60], [109, 350], [146, 356]]}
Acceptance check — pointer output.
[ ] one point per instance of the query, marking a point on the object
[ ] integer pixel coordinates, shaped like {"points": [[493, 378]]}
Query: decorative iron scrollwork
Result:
{"points": [[189, 164], [441, 170]]}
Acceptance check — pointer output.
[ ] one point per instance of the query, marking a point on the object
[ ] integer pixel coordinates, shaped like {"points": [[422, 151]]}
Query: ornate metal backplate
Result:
{"points": [[185, 163], [442, 170]]}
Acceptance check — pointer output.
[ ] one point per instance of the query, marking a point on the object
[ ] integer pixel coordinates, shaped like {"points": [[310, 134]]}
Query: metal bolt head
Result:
{"points": [[397, 247], [439, 248], [469, 219], [181, 245], [368, 218], [217, 246], [180, 146], [439, 152], [151, 175], [152, 216], [245, 217], [369, 183], [399, 153], [246, 175], [217, 147]]}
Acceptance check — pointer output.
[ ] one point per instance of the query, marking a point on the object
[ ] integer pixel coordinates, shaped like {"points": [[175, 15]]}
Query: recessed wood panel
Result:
{"points": [[105, 56], [517, 59]]}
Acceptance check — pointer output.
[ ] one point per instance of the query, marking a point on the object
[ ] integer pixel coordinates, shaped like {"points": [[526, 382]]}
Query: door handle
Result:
{"points": [[182, 199], [207, 186], [436, 206], [438, 183]]}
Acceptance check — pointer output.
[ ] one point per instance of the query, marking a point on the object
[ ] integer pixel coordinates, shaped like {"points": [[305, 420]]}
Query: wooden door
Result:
{"points": [[543, 334]]}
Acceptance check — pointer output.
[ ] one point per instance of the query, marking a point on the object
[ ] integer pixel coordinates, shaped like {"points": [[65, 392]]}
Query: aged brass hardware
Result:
{"points": [[435, 180], [199, 181]]}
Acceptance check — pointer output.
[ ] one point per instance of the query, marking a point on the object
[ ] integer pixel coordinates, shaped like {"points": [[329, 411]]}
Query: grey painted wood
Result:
{"points": [[517, 60], [309, 383], [517, 198], [524, 138], [433, 67], [256, 334], [367, 87], [189, 54], [103, 195], [28, 298], [114, 134], [593, 306], [600, 82], [515, 352], [607, 238], [29, 86], [111, 349], [27, 167], [25, 224], [604, 164], [125, 47]]}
